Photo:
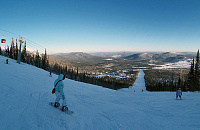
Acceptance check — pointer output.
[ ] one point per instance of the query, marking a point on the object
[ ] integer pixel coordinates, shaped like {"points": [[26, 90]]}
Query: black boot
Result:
{"points": [[64, 108], [57, 104]]}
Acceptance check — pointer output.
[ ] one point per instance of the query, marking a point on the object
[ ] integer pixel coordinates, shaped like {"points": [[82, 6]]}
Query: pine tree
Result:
{"points": [[72, 73], [37, 59], [197, 72], [16, 51], [179, 82], [191, 77], [44, 61], [24, 54], [28, 58], [48, 65], [76, 76], [11, 52], [66, 69], [8, 51]]}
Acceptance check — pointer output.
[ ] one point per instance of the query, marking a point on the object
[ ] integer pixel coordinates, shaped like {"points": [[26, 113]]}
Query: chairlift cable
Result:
{"points": [[31, 43]]}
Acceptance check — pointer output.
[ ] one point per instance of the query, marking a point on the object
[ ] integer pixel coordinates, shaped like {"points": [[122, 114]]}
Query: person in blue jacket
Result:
{"points": [[59, 85], [179, 93]]}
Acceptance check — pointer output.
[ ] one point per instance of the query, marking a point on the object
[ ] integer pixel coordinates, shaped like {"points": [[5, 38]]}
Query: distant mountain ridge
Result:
{"points": [[162, 57], [76, 57], [91, 59]]}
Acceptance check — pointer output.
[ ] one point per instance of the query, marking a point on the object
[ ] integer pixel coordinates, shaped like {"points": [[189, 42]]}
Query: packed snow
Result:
{"points": [[139, 85], [26, 93]]}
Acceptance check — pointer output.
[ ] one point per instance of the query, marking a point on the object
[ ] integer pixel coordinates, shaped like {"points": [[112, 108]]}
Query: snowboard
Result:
{"points": [[69, 112]]}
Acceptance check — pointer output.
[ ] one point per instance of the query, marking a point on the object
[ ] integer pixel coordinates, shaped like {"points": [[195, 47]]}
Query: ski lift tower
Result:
{"points": [[19, 55]]}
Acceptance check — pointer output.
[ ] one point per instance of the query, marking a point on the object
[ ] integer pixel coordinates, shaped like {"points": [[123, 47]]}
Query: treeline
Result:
{"points": [[165, 80], [37, 60], [107, 82], [171, 80], [193, 81], [41, 61]]}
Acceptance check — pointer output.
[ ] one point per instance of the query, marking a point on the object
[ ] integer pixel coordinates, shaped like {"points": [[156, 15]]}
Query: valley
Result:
{"points": [[99, 63]]}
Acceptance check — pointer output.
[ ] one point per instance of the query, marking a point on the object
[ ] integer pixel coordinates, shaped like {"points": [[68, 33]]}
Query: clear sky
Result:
{"points": [[103, 25]]}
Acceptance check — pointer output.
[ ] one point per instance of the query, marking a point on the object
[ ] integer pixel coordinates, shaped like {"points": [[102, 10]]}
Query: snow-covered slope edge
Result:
{"points": [[26, 91]]}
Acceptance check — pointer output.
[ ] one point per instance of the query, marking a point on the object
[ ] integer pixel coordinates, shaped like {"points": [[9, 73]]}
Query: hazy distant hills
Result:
{"points": [[161, 57], [139, 56], [76, 58], [96, 58]]}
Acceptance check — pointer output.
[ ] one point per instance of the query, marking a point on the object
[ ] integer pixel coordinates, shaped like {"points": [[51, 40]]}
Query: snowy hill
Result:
{"points": [[165, 57], [26, 92], [75, 57]]}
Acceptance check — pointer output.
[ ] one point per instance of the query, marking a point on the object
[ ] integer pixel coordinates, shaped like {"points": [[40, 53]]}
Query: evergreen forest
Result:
{"points": [[171, 80]]}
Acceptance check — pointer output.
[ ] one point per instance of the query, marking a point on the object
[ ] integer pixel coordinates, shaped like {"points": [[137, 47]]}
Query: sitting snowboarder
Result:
{"points": [[59, 85], [179, 93]]}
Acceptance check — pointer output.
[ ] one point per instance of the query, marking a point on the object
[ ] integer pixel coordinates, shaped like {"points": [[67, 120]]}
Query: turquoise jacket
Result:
{"points": [[59, 87]]}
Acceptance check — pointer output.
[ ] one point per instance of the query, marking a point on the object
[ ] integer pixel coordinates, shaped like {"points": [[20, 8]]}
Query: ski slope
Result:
{"points": [[26, 92], [139, 84]]}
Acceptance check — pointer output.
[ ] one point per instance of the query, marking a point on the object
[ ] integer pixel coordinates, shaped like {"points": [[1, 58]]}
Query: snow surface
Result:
{"points": [[26, 93], [186, 64], [139, 84]]}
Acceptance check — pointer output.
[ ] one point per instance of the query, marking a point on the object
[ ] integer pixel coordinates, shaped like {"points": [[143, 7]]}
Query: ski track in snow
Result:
{"points": [[26, 93]]}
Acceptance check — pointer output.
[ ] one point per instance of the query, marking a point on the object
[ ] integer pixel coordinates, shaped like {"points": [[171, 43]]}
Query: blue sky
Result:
{"points": [[103, 25]]}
